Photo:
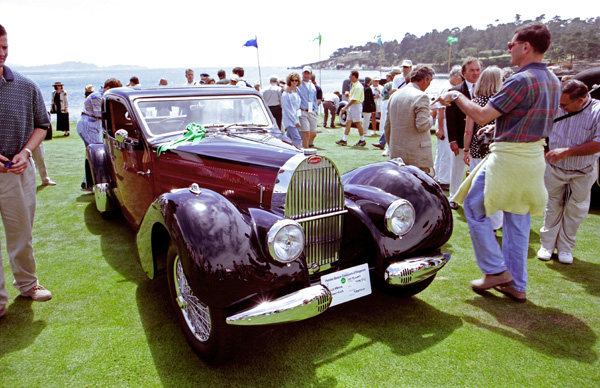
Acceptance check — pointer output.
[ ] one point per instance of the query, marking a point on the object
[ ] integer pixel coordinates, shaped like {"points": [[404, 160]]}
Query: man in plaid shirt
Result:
{"points": [[524, 110]]}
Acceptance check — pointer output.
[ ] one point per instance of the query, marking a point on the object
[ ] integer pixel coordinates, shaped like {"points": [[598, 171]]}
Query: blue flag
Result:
{"points": [[251, 43], [378, 37]]}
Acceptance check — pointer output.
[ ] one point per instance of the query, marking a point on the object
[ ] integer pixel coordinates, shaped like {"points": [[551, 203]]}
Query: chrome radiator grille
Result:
{"points": [[315, 198]]}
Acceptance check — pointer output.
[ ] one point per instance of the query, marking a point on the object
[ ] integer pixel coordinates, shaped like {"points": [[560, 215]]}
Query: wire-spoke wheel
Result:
{"points": [[203, 326]]}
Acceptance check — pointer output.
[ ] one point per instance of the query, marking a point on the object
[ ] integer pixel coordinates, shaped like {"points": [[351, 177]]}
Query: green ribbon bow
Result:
{"points": [[193, 133]]}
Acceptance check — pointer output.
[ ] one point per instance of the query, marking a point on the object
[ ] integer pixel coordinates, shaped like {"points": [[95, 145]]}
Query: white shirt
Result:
{"points": [[399, 82]]}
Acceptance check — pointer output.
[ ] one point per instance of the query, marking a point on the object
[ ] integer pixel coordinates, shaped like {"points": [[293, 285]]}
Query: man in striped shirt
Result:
{"points": [[23, 125], [571, 170]]}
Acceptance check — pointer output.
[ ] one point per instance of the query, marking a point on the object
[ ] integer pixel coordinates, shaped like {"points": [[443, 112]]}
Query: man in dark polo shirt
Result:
{"points": [[23, 125]]}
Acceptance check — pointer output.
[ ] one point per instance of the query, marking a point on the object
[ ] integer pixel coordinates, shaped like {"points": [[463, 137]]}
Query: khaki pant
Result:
{"points": [[568, 205], [17, 207]]}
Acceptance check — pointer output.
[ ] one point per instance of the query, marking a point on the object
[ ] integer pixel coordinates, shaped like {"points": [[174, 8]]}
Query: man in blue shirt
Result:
{"points": [[308, 107], [23, 122]]}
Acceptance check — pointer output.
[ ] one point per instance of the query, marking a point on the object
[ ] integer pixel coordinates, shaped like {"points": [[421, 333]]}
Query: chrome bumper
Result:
{"points": [[101, 193], [414, 270], [302, 304]]}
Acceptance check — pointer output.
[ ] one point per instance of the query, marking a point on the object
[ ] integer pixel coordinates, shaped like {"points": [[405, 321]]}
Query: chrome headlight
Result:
{"points": [[285, 240], [400, 217]]}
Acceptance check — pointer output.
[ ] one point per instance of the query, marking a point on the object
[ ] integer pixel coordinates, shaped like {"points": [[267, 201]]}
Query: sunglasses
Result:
{"points": [[513, 44]]}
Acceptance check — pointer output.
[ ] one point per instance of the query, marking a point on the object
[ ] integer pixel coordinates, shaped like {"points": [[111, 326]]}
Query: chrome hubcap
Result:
{"points": [[195, 313]]}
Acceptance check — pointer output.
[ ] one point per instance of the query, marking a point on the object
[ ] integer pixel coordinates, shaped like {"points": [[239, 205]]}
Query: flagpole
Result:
{"points": [[449, 58], [320, 58], [259, 74]]}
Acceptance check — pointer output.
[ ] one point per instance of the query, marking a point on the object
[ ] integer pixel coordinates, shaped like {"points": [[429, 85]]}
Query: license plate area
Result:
{"points": [[348, 284]]}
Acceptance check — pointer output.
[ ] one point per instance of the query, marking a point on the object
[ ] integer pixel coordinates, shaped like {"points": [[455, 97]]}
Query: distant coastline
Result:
{"points": [[74, 66]]}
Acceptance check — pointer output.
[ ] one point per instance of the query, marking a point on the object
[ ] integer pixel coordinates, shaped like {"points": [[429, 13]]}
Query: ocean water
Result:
{"points": [[75, 81]]}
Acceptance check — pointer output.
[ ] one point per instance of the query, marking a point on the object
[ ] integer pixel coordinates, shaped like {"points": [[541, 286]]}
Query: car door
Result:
{"points": [[131, 160]]}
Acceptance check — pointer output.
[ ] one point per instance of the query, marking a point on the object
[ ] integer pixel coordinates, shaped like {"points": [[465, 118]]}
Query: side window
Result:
{"points": [[119, 118]]}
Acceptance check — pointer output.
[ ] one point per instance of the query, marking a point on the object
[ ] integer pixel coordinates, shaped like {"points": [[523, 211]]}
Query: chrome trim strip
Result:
{"points": [[414, 270], [321, 216], [297, 306]]}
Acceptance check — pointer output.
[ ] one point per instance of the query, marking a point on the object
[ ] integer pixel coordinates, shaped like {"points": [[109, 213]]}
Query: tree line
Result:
{"points": [[572, 40]]}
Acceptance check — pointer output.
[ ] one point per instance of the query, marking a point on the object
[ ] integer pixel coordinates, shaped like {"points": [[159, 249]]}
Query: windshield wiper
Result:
{"points": [[245, 125]]}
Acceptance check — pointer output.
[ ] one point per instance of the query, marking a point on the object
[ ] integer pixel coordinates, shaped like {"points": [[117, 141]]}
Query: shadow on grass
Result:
{"points": [[544, 329], [406, 326], [18, 329], [582, 272]]}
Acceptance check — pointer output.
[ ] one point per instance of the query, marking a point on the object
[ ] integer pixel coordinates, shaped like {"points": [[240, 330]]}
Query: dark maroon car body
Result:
{"points": [[209, 212]]}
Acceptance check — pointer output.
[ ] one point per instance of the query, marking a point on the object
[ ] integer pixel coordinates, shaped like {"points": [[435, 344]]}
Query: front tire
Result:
{"points": [[204, 326]]}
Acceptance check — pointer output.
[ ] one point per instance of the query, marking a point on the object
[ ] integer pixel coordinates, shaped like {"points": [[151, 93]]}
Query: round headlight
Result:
{"points": [[285, 240], [400, 217]]}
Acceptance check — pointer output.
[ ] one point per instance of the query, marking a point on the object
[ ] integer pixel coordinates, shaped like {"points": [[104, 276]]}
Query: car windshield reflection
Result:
{"points": [[165, 117]]}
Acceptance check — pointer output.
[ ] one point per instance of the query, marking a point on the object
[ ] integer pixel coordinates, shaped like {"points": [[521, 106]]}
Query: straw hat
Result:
{"points": [[58, 84]]}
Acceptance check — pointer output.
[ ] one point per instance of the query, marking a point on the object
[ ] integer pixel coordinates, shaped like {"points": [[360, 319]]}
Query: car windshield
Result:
{"points": [[170, 116]]}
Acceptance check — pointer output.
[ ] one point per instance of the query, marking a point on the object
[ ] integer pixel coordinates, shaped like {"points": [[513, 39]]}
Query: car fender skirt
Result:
{"points": [[297, 306], [414, 270]]}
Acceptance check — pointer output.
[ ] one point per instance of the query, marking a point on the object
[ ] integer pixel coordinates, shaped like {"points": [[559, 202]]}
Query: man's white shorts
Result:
{"points": [[354, 113], [308, 121]]}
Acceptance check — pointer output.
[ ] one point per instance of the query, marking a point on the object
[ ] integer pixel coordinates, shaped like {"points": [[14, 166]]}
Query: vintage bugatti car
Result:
{"points": [[249, 229]]}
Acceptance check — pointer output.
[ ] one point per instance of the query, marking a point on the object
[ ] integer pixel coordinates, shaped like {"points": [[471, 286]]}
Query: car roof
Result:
{"points": [[133, 93]]}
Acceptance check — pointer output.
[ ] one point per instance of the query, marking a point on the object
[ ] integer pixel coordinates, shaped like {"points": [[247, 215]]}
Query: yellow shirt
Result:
{"points": [[357, 92]]}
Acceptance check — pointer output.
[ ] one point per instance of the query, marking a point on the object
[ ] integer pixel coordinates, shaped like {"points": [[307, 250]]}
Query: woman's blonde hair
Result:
{"points": [[288, 79], [489, 82]]}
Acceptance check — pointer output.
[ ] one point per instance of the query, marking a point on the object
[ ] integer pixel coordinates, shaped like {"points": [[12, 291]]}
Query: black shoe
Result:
{"points": [[453, 205], [445, 186], [361, 143], [377, 145], [341, 142]]}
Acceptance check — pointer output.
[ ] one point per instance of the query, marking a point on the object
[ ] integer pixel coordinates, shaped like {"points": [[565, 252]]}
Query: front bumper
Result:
{"points": [[297, 306], [414, 270]]}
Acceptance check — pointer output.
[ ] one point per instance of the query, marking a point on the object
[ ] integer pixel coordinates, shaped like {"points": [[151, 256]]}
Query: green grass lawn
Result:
{"points": [[109, 326]]}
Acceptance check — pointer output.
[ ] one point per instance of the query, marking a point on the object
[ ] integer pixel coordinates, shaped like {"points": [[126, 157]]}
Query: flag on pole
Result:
{"points": [[251, 43], [318, 37], [378, 37], [451, 40]]}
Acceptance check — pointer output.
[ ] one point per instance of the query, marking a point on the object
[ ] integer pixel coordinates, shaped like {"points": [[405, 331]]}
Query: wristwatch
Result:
{"points": [[28, 151], [455, 96]]}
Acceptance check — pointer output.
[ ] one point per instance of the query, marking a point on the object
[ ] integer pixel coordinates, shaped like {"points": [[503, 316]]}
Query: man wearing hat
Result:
{"points": [[400, 80], [308, 107], [272, 96]]}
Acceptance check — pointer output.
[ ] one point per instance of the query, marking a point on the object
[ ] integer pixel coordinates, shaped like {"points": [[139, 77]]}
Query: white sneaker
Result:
{"points": [[544, 254], [386, 152], [565, 257]]}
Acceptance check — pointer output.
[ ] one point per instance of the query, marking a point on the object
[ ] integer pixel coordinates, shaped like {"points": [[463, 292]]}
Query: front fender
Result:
{"points": [[219, 245], [369, 192]]}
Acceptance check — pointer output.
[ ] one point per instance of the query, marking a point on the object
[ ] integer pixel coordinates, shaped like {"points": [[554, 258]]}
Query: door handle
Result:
{"points": [[142, 173]]}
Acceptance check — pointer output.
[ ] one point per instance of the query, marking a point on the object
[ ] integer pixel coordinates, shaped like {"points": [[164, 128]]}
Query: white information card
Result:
{"points": [[348, 284]]}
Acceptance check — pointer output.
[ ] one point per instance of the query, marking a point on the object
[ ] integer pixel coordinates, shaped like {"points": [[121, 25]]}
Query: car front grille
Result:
{"points": [[315, 199]]}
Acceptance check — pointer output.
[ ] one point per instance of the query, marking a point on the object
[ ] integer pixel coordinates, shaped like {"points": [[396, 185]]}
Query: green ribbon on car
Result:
{"points": [[193, 134]]}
